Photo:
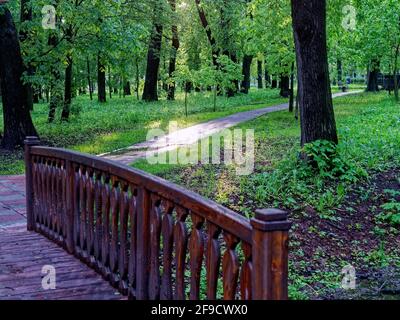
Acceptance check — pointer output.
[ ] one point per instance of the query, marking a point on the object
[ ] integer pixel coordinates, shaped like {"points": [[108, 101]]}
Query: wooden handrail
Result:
{"points": [[170, 191], [120, 221]]}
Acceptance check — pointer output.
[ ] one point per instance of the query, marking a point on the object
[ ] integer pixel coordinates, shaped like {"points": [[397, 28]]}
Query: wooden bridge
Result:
{"points": [[113, 232]]}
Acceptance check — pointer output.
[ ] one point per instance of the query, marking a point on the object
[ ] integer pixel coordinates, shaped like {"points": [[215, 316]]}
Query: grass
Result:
{"points": [[99, 128], [369, 131]]}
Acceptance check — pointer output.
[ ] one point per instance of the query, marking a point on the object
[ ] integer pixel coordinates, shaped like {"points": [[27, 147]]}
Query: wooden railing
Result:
{"points": [[150, 238]]}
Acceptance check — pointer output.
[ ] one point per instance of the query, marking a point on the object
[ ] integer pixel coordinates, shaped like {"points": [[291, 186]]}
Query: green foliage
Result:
{"points": [[327, 158], [391, 212]]}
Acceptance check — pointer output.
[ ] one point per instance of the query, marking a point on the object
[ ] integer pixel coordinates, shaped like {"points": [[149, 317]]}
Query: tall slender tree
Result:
{"points": [[26, 16], [174, 50], [150, 92], [315, 100], [16, 116]]}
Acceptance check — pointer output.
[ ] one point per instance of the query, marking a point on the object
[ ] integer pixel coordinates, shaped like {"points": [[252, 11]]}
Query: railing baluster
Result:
{"points": [[180, 239], [196, 248], [132, 243], [230, 266], [167, 231], [115, 212], [213, 260], [247, 270], [99, 221], [76, 208], [47, 225], [105, 249], [143, 243], [69, 202], [59, 204], [83, 213], [123, 251], [90, 213], [155, 230]]}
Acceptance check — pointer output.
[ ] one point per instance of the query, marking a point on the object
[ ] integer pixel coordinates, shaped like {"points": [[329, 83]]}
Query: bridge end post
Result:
{"points": [[270, 255], [29, 143]]}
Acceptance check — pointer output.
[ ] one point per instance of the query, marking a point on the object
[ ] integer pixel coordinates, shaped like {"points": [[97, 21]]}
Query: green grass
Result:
{"points": [[98, 128]]}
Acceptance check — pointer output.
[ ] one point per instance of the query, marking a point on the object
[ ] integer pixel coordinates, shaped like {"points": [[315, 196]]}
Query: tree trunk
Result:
{"points": [[284, 86], [291, 98], [260, 74], [395, 77], [372, 85], [127, 88], [26, 15], [137, 79], [204, 22], [339, 71], [89, 79], [68, 78], [101, 80], [246, 73], [174, 50], [68, 90], [267, 76], [153, 63], [274, 83], [296, 108], [110, 87], [16, 116], [234, 87], [315, 100]]}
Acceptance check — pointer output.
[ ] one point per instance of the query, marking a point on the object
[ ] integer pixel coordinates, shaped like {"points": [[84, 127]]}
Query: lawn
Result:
{"points": [[98, 128], [350, 216]]}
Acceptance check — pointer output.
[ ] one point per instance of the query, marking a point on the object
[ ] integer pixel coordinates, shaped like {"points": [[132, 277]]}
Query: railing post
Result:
{"points": [[69, 197], [29, 142], [270, 255], [143, 244]]}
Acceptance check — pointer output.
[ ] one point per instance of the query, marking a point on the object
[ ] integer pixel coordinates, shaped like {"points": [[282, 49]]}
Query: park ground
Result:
{"points": [[344, 213], [348, 217]]}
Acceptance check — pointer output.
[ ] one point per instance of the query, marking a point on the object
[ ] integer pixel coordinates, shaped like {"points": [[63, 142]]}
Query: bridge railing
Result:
{"points": [[150, 238]]}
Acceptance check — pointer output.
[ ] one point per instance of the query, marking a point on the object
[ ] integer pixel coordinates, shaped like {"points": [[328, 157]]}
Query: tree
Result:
{"points": [[17, 119], [315, 100], [174, 50], [26, 17], [101, 79], [153, 57]]}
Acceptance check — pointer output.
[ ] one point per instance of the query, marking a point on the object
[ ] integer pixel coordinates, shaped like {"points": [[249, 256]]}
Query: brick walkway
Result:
{"points": [[12, 202]]}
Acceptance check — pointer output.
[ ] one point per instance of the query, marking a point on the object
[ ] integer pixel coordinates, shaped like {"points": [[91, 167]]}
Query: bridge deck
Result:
{"points": [[23, 255]]}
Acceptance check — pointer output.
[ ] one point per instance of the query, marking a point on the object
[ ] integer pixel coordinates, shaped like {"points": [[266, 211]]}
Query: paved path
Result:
{"points": [[192, 134]]}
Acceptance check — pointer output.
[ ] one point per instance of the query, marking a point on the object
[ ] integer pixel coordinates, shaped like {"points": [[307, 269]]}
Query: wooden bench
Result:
{"points": [[150, 238]]}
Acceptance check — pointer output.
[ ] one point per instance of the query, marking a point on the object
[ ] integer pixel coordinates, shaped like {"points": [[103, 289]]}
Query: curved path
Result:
{"points": [[193, 134]]}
